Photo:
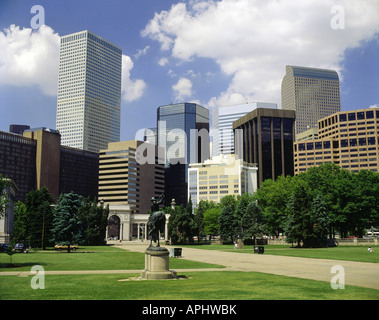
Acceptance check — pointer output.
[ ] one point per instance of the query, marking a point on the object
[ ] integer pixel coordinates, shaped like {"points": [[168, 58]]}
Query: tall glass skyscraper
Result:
{"points": [[313, 93], [89, 91], [183, 131], [177, 125]]}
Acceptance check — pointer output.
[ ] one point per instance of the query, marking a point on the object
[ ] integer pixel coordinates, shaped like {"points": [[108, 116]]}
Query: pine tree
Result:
{"points": [[67, 227]]}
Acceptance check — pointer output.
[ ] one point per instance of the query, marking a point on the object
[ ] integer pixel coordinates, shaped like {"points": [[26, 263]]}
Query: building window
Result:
{"points": [[353, 142], [344, 143], [351, 116], [369, 114], [360, 115], [362, 141], [327, 144]]}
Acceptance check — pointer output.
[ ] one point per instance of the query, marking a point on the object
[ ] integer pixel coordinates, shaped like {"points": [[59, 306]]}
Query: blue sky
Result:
{"points": [[215, 53]]}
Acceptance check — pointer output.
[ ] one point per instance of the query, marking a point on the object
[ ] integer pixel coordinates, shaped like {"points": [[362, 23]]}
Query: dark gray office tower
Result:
{"points": [[266, 137], [18, 128], [183, 132]]}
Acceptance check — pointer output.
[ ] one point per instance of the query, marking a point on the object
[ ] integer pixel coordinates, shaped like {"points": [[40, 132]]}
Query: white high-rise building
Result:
{"points": [[89, 91], [222, 124]]}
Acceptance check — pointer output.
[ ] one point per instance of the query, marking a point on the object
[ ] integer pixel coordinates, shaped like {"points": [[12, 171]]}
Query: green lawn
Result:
{"points": [[96, 258], [222, 285], [349, 253], [194, 285]]}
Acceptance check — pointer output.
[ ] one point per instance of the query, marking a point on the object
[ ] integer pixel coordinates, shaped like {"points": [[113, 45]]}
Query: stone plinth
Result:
{"points": [[157, 264]]}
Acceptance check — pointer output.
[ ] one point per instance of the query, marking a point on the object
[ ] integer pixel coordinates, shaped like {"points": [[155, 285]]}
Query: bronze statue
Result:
{"points": [[157, 220]]}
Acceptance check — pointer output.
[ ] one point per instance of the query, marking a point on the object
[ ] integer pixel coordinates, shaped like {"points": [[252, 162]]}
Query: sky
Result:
{"points": [[212, 52]]}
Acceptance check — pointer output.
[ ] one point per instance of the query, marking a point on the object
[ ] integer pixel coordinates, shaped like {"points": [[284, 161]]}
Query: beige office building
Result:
{"points": [[313, 93], [221, 176], [123, 180], [350, 139]]}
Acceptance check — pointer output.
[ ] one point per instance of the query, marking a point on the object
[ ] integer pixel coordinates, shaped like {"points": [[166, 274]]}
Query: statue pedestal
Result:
{"points": [[156, 264]]}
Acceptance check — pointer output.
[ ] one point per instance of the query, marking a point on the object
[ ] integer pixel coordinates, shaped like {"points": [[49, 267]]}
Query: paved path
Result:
{"points": [[361, 274]]}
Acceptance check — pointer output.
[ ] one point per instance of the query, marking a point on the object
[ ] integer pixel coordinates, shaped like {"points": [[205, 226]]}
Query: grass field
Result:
{"points": [[349, 253], [91, 258], [193, 285], [222, 285]]}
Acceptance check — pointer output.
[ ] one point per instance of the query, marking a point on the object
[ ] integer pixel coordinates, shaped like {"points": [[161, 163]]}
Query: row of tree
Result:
{"points": [[73, 220], [308, 209]]}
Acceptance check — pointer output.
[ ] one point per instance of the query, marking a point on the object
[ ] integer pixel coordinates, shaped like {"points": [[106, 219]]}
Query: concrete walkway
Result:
{"points": [[360, 274]]}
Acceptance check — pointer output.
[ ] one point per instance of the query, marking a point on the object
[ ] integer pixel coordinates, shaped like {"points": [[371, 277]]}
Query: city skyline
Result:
{"points": [[174, 52]]}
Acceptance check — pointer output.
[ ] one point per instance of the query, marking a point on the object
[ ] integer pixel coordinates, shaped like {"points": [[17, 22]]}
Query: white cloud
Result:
{"points": [[253, 40], [141, 52], [30, 57], [131, 89], [163, 61], [182, 89]]}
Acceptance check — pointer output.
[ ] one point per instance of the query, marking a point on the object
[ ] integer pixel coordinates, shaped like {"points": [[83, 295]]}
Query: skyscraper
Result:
{"points": [[266, 138], [312, 93], [183, 132], [89, 91], [222, 124]]}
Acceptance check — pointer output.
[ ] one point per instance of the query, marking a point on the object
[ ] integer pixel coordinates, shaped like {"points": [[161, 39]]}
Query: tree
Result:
{"points": [[320, 220], [33, 219], [19, 224], [67, 227], [298, 222], [272, 198], [243, 202], [211, 221], [181, 225], [253, 222], [227, 222], [94, 219], [4, 183], [199, 211]]}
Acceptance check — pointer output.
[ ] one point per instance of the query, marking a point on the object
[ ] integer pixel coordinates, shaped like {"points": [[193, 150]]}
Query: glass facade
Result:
{"points": [[222, 124], [267, 140], [180, 134], [175, 123]]}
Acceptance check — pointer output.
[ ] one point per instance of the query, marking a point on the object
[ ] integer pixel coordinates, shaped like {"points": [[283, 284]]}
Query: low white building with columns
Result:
{"points": [[126, 225]]}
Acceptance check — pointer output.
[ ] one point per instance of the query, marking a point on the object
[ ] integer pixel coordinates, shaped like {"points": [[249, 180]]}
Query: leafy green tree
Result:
{"points": [[33, 219], [94, 218], [3, 198], [320, 220], [67, 227], [243, 202], [199, 211], [19, 223], [299, 222], [272, 198], [211, 221], [181, 225], [227, 223], [253, 222]]}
